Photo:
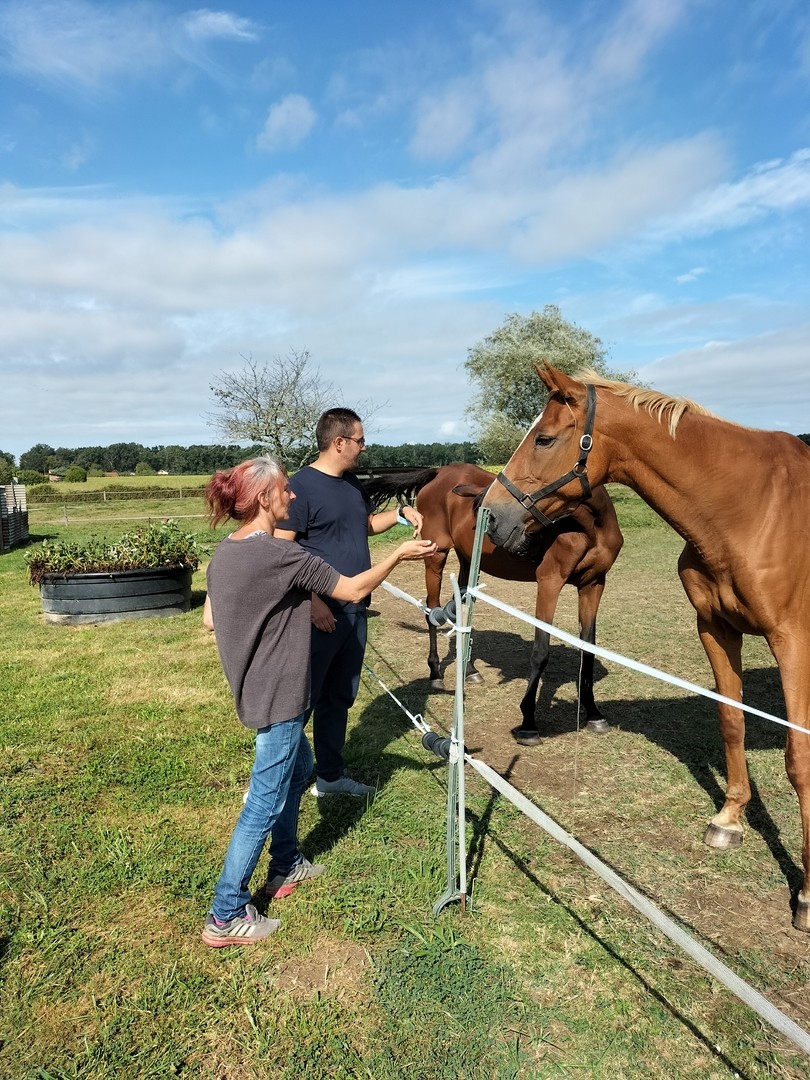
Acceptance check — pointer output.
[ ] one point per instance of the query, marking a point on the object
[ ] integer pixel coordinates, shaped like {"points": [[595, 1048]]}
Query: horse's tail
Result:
{"points": [[404, 485]]}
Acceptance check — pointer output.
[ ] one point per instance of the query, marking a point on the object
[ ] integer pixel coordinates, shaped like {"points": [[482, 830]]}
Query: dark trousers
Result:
{"points": [[337, 661]]}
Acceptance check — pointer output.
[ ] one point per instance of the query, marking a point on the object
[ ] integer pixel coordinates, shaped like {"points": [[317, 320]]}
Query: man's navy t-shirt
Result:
{"points": [[330, 515]]}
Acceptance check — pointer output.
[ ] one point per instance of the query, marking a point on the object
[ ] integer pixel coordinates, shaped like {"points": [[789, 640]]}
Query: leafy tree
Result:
{"points": [[509, 395], [37, 458], [418, 455], [274, 405], [123, 457], [75, 474], [143, 468], [7, 468]]}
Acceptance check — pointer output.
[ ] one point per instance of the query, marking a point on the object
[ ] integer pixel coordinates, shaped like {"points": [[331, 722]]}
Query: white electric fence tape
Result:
{"points": [[617, 658]]}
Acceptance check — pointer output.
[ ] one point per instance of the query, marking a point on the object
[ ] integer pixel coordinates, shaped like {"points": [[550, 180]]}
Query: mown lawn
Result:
{"points": [[121, 774]]}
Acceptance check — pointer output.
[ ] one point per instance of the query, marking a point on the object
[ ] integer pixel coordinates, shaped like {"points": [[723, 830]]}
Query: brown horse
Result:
{"points": [[579, 552], [739, 498]]}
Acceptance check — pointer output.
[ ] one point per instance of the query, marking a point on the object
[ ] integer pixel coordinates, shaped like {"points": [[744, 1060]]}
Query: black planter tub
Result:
{"points": [[126, 594]]}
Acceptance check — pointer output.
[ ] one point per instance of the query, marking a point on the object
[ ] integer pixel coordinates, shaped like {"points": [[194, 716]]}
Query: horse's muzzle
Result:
{"points": [[509, 534]]}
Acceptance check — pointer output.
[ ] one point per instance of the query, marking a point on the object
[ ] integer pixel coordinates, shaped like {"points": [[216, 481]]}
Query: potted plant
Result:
{"points": [[145, 573]]}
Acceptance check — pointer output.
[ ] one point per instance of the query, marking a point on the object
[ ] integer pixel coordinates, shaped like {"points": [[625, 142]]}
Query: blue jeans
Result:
{"points": [[280, 773]]}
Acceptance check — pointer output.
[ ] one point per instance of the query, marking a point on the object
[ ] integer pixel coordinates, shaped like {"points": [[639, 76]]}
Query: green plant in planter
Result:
{"points": [[146, 547]]}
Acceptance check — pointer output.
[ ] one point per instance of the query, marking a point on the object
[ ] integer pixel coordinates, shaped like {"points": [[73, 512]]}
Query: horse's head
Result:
{"points": [[547, 476]]}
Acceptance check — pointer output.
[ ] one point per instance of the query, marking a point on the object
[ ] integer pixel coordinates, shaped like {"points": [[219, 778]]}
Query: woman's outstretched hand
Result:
{"points": [[417, 549]]}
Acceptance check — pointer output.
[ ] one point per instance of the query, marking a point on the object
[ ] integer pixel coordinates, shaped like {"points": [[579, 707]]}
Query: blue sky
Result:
{"points": [[381, 184]]}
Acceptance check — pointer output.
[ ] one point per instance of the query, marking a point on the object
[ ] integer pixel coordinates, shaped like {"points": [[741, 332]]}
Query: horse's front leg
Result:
{"points": [[793, 658], [434, 570], [549, 586], [472, 676], [528, 733], [589, 599], [723, 647]]}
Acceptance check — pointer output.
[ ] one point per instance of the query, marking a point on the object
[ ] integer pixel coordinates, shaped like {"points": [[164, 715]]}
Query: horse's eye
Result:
{"points": [[543, 441]]}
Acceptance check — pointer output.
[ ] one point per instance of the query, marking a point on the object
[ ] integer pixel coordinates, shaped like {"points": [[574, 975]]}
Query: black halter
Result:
{"points": [[529, 500]]}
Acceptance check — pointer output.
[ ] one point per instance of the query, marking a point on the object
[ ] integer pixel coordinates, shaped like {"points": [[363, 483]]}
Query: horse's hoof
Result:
{"points": [[526, 736], [474, 679], [437, 684], [801, 917], [598, 726], [723, 836]]}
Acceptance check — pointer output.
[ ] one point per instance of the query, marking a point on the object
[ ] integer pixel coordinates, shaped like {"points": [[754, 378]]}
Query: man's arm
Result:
{"points": [[321, 613], [387, 519]]}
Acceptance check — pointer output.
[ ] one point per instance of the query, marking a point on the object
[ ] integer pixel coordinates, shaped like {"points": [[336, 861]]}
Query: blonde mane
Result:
{"points": [[667, 410]]}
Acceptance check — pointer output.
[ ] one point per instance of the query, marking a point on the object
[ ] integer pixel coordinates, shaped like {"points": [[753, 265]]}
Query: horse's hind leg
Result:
{"points": [[797, 761], [792, 656], [723, 647]]}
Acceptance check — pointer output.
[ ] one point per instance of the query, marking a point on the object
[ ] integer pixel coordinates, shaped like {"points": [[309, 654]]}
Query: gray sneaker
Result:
{"points": [[344, 785], [248, 929], [278, 886]]}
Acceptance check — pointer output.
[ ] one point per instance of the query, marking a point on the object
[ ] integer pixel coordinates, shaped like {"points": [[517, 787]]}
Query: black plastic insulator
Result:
{"points": [[437, 744], [441, 616]]}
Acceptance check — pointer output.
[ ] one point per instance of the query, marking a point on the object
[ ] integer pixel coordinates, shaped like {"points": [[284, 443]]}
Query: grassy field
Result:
{"points": [[121, 774]]}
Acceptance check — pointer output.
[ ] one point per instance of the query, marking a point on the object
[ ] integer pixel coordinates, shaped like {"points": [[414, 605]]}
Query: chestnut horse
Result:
{"points": [[579, 552], [740, 499]]}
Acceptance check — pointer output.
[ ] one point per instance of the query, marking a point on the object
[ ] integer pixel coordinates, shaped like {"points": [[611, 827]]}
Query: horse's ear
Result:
{"points": [[468, 491], [556, 381]]}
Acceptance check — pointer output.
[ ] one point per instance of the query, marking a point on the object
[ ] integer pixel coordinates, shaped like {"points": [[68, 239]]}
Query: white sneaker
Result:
{"points": [[344, 785]]}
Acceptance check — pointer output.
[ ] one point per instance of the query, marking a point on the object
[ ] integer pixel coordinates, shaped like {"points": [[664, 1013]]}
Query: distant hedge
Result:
{"points": [[51, 493]]}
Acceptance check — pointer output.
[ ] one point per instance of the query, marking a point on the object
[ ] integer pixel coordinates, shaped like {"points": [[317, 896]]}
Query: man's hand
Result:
{"points": [[322, 617], [413, 517]]}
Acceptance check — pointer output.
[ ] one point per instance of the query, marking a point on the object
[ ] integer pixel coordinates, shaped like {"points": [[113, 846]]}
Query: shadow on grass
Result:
{"points": [[482, 832], [366, 752], [197, 598]]}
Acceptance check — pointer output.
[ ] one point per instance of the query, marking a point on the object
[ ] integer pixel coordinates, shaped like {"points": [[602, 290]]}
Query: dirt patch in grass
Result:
{"points": [[333, 967]]}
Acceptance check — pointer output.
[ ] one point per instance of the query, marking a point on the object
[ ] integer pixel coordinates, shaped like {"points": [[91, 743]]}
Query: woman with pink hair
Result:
{"points": [[259, 590]]}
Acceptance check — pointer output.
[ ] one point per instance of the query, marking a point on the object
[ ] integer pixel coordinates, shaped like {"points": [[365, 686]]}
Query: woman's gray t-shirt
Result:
{"points": [[260, 590]]}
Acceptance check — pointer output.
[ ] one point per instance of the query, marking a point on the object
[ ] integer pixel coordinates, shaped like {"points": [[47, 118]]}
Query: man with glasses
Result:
{"points": [[332, 517]]}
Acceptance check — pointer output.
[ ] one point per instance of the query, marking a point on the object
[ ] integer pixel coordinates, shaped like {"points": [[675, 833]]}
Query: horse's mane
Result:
{"points": [[667, 410]]}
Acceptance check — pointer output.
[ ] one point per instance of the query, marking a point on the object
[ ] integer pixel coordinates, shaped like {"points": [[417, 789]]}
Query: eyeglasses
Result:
{"points": [[360, 442]]}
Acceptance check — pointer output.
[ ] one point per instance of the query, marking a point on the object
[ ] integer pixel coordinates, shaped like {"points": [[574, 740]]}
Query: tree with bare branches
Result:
{"points": [[275, 405]]}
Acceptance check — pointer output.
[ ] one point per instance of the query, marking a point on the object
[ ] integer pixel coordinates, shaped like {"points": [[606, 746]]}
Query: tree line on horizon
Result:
{"points": [[203, 460]]}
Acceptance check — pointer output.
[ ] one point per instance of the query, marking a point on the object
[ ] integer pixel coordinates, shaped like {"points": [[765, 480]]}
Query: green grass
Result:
{"points": [[121, 773]]}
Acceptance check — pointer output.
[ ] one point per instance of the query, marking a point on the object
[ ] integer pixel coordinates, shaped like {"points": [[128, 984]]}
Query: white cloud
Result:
{"points": [[691, 275], [79, 44], [288, 123], [444, 123], [104, 297], [208, 25], [772, 186], [745, 380], [90, 46]]}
